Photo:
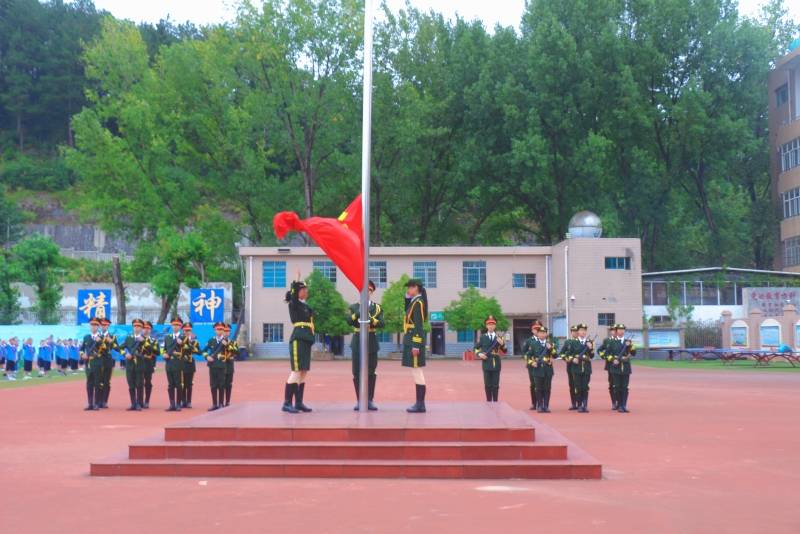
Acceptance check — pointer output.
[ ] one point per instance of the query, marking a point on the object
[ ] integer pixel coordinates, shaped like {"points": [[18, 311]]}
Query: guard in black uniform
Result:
{"points": [[527, 348], [540, 356], [490, 348], [215, 354], [568, 350], [300, 343], [108, 342], [231, 353], [416, 310], [618, 354], [582, 367], [190, 347], [150, 351], [174, 366], [92, 364], [134, 368], [375, 322], [603, 353]]}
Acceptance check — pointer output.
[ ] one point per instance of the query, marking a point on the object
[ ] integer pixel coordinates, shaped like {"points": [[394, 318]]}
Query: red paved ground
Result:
{"points": [[703, 451]]}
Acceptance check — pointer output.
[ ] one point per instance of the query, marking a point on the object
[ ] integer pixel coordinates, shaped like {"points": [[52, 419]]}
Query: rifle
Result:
{"points": [[217, 350], [627, 345]]}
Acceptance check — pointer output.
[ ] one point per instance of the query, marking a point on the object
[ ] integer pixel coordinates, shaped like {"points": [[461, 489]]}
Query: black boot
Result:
{"points": [[139, 398], [534, 404], [90, 399], [107, 396], [147, 391], [214, 404], [188, 403], [539, 401], [371, 391], [582, 402], [98, 397], [171, 393], [419, 406], [132, 394], [358, 393], [289, 392], [495, 393], [573, 400], [547, 401], [488, 393], [298, 398], [228, 391], [623, 408], [614, 404]]}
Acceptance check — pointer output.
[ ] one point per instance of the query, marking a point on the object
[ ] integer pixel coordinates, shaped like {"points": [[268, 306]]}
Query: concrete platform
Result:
{"points": [[452, 440]]}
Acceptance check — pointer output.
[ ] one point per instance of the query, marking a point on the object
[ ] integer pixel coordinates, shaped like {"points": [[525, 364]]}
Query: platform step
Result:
{"points": [[349, 450], [475, 469]]}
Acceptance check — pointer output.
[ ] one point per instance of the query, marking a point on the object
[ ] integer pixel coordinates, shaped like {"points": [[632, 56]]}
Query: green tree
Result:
{"points": [[39, 259], [394, 305], [471, 310], [11, 218], [9, 295], [330, 308]]}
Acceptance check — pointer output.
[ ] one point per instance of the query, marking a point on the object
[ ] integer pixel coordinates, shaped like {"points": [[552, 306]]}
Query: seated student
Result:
{"points": [[28, 353], [44, 360], [12, 355]]}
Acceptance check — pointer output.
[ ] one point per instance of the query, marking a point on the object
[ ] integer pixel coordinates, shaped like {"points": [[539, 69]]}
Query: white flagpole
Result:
{"points": [[366, 147]]}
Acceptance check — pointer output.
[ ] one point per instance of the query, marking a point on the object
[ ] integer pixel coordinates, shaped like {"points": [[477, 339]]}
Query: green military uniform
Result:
{"points": [[189, 366], [108, 342], [617, 354], [174, 367], [300, 343], [601, 351], [232, 351], [490, 344], [150, 351], [582, 351], [216, 354], [414, 338], [527, 348], [134, 368], [92, 368], [375, 322], [539, 358], [567, 351]]}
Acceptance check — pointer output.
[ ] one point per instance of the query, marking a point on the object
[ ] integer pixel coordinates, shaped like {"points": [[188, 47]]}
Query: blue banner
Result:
{"points": [[207, 305], [93, 303]]}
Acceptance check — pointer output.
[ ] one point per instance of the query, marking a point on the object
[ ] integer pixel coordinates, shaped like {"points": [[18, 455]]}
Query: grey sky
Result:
{"points": [[505, 12]]}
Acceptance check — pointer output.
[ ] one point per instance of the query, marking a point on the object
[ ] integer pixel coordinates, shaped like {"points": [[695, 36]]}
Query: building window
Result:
{"points": [[377, 273], [426, 272], [790, 155], [618, 263], [273, 274], [654, 293], [273, 332], [791, 202], [466, 336], [660, 319], [474, 274], [710, 294], [526, 280], [694, 293], [791, 251], [606, 319], [782, 95], [728, 294], [383, 337], [327, 268]]}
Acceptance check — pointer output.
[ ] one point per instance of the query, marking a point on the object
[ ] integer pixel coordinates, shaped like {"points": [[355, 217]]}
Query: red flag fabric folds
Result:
{"points": [[342, 239]]}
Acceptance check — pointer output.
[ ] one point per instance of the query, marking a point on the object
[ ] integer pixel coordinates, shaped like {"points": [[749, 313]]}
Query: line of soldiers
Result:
{"points": [[540, 352], [141, 350]]}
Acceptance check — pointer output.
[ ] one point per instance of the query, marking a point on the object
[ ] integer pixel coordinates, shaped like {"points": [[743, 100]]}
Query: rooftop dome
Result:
{"points": [[585, 224]]}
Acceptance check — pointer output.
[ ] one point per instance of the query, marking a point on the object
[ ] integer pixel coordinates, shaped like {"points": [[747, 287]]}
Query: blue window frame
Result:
{"points": [[384, 337], [526, 280], [273, 332], [327, 268], [474, 274], [377, 273], [274, 274], [618, 263], [466, 336], [425, 271]]}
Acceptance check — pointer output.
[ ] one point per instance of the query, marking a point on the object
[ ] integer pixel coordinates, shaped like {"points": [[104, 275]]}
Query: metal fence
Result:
{"points": [[700, 334]]}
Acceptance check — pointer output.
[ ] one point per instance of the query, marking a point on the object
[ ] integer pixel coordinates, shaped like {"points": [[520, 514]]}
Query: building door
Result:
{"points": [[437, 339], [522, 331]]}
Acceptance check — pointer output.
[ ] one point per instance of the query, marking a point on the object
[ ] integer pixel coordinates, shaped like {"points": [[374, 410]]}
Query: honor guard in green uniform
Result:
{"points": [[174, 366], [539, 357], [617, 352], [490, 348], [300, 343], [580, 354], [215, 354], [150, 351], [134, 366], [108, 342], [416, 310], [527, 347], [568, 350], [190, 347], [232, 353], [375, 322], [601, 352], [92, 364]]}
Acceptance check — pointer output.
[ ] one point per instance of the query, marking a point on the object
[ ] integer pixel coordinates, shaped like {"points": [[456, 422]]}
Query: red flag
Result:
{"points": [[342, 239]]}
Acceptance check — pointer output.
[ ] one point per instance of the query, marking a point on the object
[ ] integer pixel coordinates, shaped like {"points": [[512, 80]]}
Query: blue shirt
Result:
{"points": [[45, 353], [74, 353], [28, 352], [61, 352], [11, 353]]}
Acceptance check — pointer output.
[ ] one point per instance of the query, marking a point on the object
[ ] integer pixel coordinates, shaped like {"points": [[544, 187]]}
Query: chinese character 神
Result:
{"points": [[211, 303], [96, 304]]}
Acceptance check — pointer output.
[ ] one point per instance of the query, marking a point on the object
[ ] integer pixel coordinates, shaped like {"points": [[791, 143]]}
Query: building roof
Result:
{"points": [[713, 269], [404, 251]]}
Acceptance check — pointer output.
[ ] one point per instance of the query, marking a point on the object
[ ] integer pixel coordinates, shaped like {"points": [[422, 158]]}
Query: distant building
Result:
{"points": [[581, 279], [784, 139]]}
